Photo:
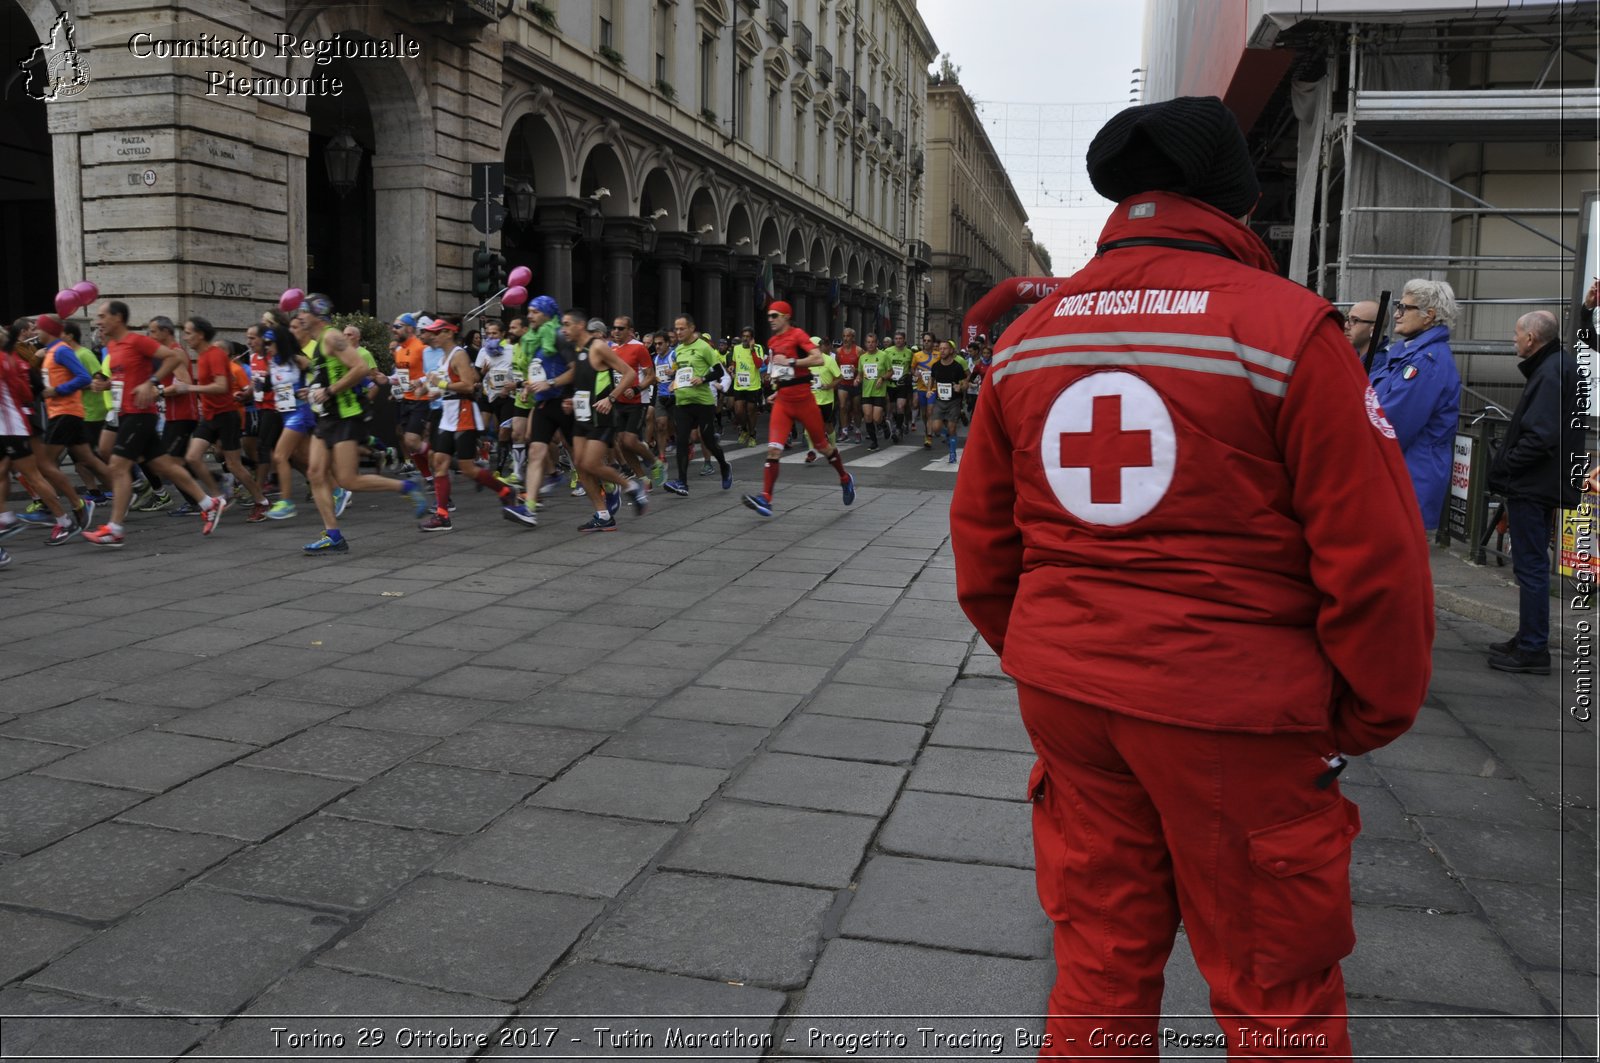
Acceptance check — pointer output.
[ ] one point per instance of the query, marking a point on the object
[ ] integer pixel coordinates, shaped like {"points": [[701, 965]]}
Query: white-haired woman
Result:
{"points": [[1419, 388]]}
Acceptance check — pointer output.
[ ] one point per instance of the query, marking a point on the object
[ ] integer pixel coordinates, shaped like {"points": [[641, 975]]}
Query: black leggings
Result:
{"points": [[690, 416]]}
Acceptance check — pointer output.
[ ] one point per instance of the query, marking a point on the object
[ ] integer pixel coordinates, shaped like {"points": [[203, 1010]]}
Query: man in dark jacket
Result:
{"points": [[1534, 472]]}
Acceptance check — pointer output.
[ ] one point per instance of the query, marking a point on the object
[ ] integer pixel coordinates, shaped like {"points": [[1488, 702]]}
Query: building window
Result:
{"points": [[708, 72], [799, 142], [663, 40], [839, 191], [741, 107], [605, 12], [772, 122]]}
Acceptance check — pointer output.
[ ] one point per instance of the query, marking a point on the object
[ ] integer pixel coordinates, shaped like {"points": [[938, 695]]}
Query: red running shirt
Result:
{"points": [[792, 343], [132, 360], [182, 407], [637, 355], [214, 364]]}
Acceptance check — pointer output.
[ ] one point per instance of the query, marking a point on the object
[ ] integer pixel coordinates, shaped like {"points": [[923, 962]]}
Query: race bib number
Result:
{"points": [[742, 381], [283, 397], [399, 384], [816, 382], [581, 408], [896, 372], [536, 374], [870, 370], [848, 372], [946, 391], [783, 372], [498, 378], [925, 376], [685, 374], [116, 396]]}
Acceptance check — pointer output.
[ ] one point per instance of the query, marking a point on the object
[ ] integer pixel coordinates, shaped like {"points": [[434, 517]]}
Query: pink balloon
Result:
{"points": [[290, 300], [515, 295], [88, 291], [67, 301], [520, 277]]}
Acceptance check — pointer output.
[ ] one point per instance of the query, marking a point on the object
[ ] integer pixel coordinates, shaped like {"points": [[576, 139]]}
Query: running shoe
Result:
{"points": [[157, 500], [572, 480], [849, 488], [36, 506], [414, 493], [613, 500], [550, 486], [282, 509], [328, 545], [188, 509], [727, 479], [341, 501], [595, 524], [677, 487], [241, 493], [436, 523], [104, 536], [521, 514], [927, 442], [759, 503], [511, 480], [872, 446], [705, 468], [41, 519], [578, 492], [640, 499], [5, 559], [99, 498], [85, 514], [258, 513], [952, 457], [61, 533], [658, 474], [213, 516], [11, 527]]}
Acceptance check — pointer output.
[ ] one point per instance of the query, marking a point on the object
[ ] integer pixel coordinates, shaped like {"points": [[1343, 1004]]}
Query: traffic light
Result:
{"points": [[483, 272], [497, 272]]}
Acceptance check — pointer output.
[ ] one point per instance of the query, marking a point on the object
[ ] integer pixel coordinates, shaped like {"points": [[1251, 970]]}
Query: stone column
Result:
{"points": [[743, 309], [783, 288], [622, 240], [800, 299], [560, 222], [710, 273], [672, 251]]}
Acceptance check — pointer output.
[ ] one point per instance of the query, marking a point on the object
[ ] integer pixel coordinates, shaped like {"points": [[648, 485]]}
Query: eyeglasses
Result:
{"points": [[1353, 320], [1402, 309], [618, 327]]}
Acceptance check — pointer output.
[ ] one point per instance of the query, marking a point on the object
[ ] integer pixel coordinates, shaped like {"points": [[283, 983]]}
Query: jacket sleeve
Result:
{"points": [[983, 531], [1369, 557], [1409, 404], [1539, 431], [80, 376]]}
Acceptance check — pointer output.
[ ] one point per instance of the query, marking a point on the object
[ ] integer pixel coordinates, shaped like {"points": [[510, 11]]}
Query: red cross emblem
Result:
{"points": [[1108, 448]]}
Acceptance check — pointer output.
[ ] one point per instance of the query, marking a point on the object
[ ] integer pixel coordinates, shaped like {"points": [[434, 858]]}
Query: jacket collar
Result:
{"points": [[1426, 338], [1531, 363], [1178, 217]]}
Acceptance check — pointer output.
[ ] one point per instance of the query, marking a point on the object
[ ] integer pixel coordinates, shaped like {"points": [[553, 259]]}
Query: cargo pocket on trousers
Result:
{"points": [[1300, 894], [1049, 844]]}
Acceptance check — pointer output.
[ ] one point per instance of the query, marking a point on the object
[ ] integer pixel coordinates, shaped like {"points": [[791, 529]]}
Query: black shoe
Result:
{"points": [[1501, 649], [1520, 660]]}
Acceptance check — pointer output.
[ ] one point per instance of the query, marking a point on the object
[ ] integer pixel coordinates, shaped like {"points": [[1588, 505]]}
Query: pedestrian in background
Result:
{"points": [[1188, 671], [1534, 472]]}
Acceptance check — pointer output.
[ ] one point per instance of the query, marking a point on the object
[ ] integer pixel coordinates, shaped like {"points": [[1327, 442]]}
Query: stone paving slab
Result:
{"points": [[1509, 854], [35, 810], [875, 703], [981, 730], [1502, 801], [559, 852], [579, 711], [844, 738], [237, 802], [340, 752], [807, 848], [33, 940], [510, 747], [634, 789], [253, 721], [958, 906], [337, 863], [954, 827], [974, 772], [194, 952], [346, 1004], [729, 929], [717, 705], [83, 723], [819, 783], [1450, 959], [709, 745], [109, 870], [435, 797], [152, 761], [47, 1024], [465, 937], [1544, 925], [1387, 871], [423, 714], [19, 755]]}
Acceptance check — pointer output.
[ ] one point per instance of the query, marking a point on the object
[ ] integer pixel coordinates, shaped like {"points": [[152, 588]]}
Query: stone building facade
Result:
{"points": [[682, 154], [977, 227]]}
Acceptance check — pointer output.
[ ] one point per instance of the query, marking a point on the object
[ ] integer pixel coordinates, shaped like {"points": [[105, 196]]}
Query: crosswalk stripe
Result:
{"points": [[800, 458], [883, 457], [941, 465]]}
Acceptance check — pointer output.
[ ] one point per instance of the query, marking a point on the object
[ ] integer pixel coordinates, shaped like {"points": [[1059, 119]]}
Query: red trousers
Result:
{"points": [[791, 404], [1139, 824]]}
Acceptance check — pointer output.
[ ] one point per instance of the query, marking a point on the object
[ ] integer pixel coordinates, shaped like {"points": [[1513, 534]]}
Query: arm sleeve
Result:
{"points": [[80, 376], [1538, 433], [1368, 553], [1408, 404], [983, 531]]}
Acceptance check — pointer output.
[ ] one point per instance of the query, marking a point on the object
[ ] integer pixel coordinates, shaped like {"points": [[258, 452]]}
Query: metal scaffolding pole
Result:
{"points": [[1349, 155]]}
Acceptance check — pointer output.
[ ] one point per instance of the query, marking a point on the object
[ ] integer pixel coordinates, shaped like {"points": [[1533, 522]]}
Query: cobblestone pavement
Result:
{"points": [[754, 774]]}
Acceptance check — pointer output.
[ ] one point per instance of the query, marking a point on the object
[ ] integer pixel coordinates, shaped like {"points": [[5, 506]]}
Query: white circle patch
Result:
{"points": [[1109, 448]]}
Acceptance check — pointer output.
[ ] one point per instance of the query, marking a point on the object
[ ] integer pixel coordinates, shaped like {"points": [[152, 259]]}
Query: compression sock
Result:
{"points": [[769, 478], [485, 478], [441, 492], [519, 461], [872, 433], [838, 465]]}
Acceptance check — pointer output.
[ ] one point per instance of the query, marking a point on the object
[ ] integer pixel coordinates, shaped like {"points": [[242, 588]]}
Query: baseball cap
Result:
{"points": [[406, 319], [434, 324]]}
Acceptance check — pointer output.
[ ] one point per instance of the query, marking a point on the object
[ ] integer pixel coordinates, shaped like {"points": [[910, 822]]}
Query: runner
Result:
{"points": [[138, 363], [695, 364], [66, 379], [661, 354], [541, 356], [287, 380], [749, 358], [180, 412], [633, 404], [900, 357], [336, 399], [411, 416], [949, 381], [792, 356], [455, 385], [220, 414], [921, 367], [849, 390], [493, 366], [16, 444], [875, 372], [823, 379]]}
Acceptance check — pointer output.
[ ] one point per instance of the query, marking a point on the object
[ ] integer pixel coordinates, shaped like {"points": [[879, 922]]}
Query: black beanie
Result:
{"points": [[1191, 145]]}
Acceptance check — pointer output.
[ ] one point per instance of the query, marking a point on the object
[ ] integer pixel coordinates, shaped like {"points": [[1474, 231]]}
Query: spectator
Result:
{"points": [[1419, 389], [1359, 324], [1533, 470]]}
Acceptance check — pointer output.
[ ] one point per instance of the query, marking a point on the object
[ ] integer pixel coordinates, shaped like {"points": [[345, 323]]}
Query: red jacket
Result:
{"points": [[1181, 492]]}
